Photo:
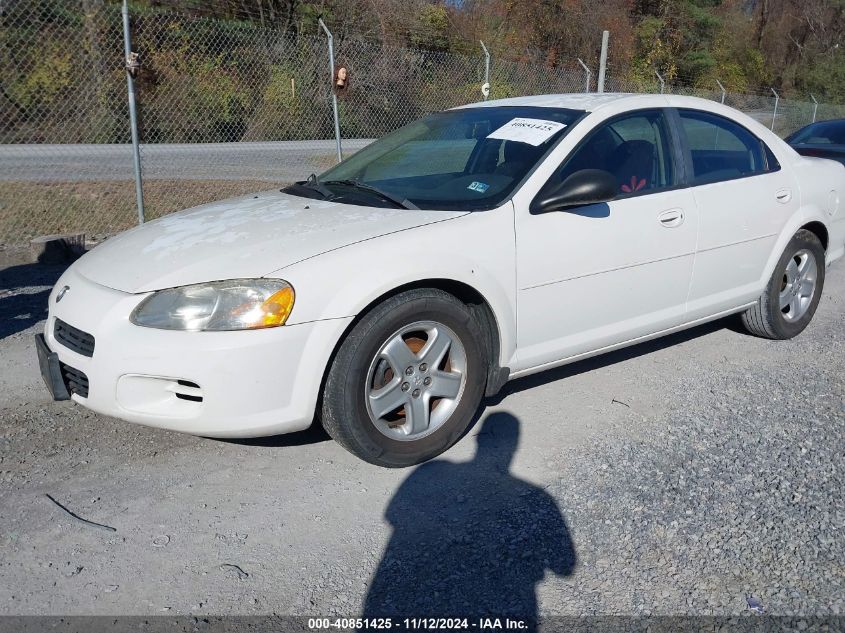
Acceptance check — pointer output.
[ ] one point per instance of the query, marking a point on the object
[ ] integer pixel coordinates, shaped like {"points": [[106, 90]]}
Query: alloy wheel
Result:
{"points": [[798, 285], [416, 380]]}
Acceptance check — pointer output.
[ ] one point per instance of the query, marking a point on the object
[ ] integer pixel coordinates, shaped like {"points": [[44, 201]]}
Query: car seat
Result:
{"points": [[633, 164], [517, 158]]}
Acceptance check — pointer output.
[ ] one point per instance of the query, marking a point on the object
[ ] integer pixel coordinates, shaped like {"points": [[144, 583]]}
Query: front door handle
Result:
{"points": [[784, 195], [671, 218]]}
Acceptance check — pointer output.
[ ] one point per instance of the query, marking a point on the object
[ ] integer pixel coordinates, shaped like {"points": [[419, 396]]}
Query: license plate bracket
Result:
{"points": [[51, 372]]}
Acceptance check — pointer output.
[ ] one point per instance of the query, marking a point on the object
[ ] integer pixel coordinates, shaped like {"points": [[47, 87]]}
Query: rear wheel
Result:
{"points": [[407, 380], [789, 302]]}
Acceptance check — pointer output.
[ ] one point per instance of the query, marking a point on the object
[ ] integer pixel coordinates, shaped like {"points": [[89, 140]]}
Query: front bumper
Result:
{"points": [[218, 384]]}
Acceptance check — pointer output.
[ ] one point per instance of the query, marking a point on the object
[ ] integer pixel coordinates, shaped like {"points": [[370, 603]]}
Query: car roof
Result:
{"points": [[613, 103], [591, 102]]}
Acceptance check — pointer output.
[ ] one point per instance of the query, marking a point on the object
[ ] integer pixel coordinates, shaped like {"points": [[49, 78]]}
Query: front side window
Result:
{"points": [[465, 159], [720, 148], [634, 148]]}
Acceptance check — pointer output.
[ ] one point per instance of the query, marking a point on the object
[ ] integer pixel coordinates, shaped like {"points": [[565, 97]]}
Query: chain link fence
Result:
{"points": [[784, 116], [225, 108]]}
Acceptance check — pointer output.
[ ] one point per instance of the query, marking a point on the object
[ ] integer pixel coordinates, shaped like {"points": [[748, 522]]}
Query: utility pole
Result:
{"points": [[605, 37]]}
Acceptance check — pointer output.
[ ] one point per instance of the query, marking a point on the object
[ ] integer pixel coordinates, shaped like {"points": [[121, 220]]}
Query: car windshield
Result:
{"points": [[466, 159], [823, 133]]}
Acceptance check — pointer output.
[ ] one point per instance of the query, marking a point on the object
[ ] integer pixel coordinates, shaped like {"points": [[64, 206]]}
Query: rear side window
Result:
{"points": [[772, 163], [722, 149]]}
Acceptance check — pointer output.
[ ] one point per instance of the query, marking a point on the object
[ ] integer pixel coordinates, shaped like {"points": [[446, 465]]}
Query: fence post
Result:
{"points": [[485, 89], [775, 113], [724, 92], [331, 83], [587, 75], [660, 79], [133, 116], [815, 108], [605, 36]]}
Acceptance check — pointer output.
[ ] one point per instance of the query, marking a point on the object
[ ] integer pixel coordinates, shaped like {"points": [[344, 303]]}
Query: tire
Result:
{"points": [[799, 279], [366, 377]]}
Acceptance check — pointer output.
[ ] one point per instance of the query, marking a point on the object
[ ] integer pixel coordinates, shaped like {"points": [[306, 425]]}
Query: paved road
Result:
{"points": [[699, 474], [275, 161]]}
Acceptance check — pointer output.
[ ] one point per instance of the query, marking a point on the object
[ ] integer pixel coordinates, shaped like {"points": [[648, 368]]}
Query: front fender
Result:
{"points": [[476, 250]]}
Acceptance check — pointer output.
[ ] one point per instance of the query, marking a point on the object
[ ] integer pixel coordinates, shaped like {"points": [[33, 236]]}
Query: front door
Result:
{"points": [[599, 275]]}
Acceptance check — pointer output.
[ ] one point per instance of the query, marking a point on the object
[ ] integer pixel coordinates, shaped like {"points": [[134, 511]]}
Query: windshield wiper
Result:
{"points": [[314, 183], [355, 184]]}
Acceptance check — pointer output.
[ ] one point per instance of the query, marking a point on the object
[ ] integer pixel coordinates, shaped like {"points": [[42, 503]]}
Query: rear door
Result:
{"points": [[744, 198]]}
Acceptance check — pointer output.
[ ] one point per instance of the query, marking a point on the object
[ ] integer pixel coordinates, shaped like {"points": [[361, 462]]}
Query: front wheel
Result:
{"points": [[790, 299], [407, 380]]}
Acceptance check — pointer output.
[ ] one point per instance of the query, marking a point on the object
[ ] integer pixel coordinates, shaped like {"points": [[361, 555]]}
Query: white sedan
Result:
{"points": [[386, 297]]}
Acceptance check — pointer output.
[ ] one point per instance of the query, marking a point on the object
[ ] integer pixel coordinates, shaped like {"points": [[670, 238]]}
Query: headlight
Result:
{"points": [[237, 304]]}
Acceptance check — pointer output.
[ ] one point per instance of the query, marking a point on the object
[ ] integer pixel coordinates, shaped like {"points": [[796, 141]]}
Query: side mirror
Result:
{"points": [[588, 186]]}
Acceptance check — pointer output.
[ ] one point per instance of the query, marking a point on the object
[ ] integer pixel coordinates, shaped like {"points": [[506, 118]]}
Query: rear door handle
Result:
{"points": [[671, 218], [784, 195]]}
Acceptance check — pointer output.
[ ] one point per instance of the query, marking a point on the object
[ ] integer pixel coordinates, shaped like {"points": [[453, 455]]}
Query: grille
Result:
{"points": [[75, 380], [73, 338]]}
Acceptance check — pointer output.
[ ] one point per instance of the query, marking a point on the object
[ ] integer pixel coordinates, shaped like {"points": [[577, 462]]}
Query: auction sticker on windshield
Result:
{"points": [[532, 131]]}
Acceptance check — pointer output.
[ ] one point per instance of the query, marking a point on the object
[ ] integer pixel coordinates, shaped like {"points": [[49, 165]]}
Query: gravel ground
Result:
{"points": [[701, 474]]}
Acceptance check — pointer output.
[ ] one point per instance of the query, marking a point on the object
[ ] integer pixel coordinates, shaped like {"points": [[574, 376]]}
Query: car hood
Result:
{"points": [[245, 237]]}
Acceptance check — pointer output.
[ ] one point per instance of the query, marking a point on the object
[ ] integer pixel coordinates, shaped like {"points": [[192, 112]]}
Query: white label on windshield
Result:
{"points": [[532, 131]]}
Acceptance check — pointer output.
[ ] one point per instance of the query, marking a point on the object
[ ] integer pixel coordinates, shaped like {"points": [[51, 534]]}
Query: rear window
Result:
{"points": [[822, 133]]}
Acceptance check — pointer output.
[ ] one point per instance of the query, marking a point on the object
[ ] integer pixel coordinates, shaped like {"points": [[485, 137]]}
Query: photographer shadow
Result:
{"points": [[470, 539]]}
